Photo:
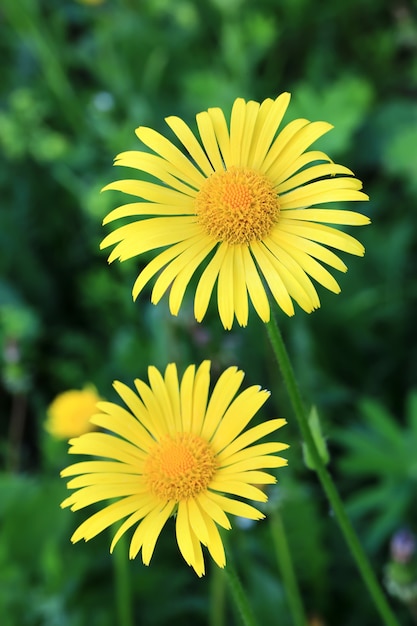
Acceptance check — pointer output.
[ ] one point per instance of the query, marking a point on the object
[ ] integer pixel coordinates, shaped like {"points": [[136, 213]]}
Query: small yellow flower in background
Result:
{"points": [[175, 450], [91, 2], [69, 413], [243, 199]]}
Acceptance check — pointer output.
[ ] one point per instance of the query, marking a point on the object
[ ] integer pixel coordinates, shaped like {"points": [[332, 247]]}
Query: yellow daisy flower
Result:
{"points": [[175, 451], [69, 413], [244, 199]]}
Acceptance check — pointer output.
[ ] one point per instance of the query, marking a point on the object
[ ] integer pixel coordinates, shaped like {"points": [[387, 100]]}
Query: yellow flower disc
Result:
{"points": [[237, 205], [179, 467]]}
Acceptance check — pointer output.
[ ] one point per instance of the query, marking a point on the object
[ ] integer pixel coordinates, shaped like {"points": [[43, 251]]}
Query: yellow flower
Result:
{"points": [[244, 200], [69, 413], [175, 451], [91, 2]]}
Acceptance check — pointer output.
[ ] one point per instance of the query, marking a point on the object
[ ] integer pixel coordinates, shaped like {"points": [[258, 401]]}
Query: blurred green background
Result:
{"points": [[76, 79]]}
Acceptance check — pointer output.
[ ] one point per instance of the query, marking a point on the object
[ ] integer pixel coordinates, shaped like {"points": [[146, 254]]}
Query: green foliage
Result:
{"points": [[319, 440], [381, 456]]}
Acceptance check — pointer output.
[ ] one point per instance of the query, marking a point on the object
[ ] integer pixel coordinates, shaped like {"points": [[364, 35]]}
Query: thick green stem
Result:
{"points": [[123, 588], [326, 480], [285, 564], [217, 597], [239, 596]]}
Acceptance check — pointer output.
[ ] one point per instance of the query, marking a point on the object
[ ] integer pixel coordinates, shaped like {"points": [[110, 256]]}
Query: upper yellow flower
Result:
{"points": [[69, 413], [175, 451], [245, 197]]}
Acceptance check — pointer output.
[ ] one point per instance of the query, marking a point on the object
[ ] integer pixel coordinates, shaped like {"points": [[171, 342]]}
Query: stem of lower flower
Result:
{"points": [[217, 597], [286, 567], [122, 582], [239, 596], [326, 480]]}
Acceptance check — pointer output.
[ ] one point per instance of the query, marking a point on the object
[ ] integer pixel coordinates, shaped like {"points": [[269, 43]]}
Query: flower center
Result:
{"points": [[237, 205], [179, 467]]}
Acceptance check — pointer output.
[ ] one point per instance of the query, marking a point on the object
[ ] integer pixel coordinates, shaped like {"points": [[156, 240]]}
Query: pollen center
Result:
{"points": [[237, 205], [179, 467]]}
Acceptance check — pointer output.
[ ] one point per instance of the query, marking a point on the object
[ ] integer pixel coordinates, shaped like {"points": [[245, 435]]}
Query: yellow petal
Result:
{"points": [[269, 118], [223, 393], [208, 137], [149, 234], [254, 463], [307, 158], [206, 283], [213, 509], [235, 507], [253, 477], [131, 400], [154, 165], [255, 287], [161, 397], [149, 208], [186, 394], [273, 279], [284, 137], [191, 144], [186, 542], [293, 276], [163, 258], [299, 142], [200, 396], [148, 531], [87, 467], [150, 191], [251, 435], [238, 415], [309, 174], [197, 521], [239, 282], [222, 133], [105, 445], [292, 243], [155, 419], [103, 478], [162, 146], [225, 289], [186, 261], [240, 489], [215, 544], [148, 504], [172, 386], [105, 518], [183, 277], [248, 136], [237, 125], [322, 234], [96, 493], [122, 423], [261, 449], [329, 216], [331, 190]]}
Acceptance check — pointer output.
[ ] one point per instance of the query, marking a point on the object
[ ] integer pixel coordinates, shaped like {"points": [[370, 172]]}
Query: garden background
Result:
{"points": [[76, 80]]}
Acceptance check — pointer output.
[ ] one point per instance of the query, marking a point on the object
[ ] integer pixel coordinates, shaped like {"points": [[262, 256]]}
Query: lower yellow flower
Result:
{"points": [[69, 413], [175, 451]]}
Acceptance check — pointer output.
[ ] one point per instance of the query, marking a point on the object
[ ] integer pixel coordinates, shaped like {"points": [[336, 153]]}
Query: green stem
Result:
{"points": [[239, 596], [327, 483], [285, 563], [217, 597], [123, 588]]}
